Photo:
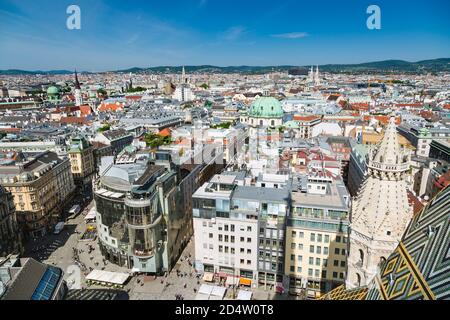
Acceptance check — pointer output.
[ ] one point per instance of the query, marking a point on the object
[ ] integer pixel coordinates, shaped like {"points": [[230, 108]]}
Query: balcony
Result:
{"points": [[143, 253]]}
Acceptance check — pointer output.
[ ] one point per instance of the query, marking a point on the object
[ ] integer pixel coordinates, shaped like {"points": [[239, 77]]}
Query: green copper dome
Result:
{"points": [[266, 107], [52, 90], [424, 132], [291, 125]]}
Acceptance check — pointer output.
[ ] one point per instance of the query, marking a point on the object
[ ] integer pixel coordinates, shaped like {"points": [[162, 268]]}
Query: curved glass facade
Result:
{"points": [[111, 211]]}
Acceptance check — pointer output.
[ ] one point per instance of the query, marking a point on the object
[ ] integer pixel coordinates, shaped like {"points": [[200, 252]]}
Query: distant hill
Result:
{"points": [[25, 72], [385, 66]]}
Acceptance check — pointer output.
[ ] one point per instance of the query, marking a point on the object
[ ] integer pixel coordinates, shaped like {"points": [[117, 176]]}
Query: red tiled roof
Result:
{"points": [[110, 106], [305, 118], [74, 120]]}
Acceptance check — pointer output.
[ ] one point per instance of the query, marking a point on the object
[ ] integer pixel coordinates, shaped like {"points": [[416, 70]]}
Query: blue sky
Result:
{"points": [[125, 33]]}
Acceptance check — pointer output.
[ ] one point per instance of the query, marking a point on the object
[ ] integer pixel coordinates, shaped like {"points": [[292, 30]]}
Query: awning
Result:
{"points": [[244, 295], [232, 281], [218, 292], [108, 277], [208, 276], [91, 214], [245, 281]]}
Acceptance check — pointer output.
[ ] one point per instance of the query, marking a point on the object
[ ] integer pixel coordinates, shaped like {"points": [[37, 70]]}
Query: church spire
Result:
{"points": [[77, 83], [389, 149]]}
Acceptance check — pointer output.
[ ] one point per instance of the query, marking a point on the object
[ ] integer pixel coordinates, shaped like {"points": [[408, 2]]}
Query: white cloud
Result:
{"points": [[291, 35], [233, 33]]}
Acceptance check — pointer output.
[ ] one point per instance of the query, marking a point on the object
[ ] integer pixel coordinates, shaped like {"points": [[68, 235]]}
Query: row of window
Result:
{"points": [[316, 273], [319, 261], [227, 238], [227, 249]]}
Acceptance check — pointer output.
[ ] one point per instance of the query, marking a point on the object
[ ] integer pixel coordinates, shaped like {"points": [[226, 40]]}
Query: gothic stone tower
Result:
{"points": [[78, 95], [380, 211]]}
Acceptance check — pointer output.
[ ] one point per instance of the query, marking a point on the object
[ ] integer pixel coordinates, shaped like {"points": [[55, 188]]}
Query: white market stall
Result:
{"points": [[244, 295], [107, 277]]}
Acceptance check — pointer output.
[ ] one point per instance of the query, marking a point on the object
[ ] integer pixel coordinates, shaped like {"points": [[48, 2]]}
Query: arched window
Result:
{"points": [[273, 122], [358, 279], [382, 261], [260, 122], [361, 256]]}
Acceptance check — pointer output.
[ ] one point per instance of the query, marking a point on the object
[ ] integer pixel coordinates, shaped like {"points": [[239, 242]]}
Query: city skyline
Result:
{"points": [[117, 35]]}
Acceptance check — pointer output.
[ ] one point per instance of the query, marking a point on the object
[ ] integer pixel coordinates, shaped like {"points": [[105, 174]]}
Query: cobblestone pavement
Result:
{"points": [[171, 285], [58, 250]]}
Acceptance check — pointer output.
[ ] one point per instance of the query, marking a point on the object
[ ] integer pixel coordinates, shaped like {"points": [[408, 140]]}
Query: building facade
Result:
{"points": [[10, 234], [41, 184], [316, 236], [82, 164]]}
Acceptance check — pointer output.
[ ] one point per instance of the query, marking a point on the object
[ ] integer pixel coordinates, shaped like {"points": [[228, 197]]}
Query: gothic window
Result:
{"points": [[358, 279], [361, 256]]}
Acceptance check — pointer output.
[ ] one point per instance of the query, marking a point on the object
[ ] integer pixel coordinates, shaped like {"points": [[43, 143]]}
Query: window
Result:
{"points": [[242, 261], [325, 262], [311, 249], [232, 250], [299, 258], [327, 238], [232, 239], [335, 275], [301, 234], [343, 252], [292, 269], [261, 230], [292, 245], [324, 273], [325, 250], [310, 272], [341, 275], [316, 273], [226, 227], [313, 237], [299, 269], [249, 228], [336, 250], [300, 246], [342, 264], [317, 261], [220, 237], [294, 234], [311, 260], [249, 240], [232, 228], [249, 251], [318, 249], [249, 262], [241, 250], [220, 248], [336, 263], [319, 237], [211, 236], [242, 239], [292, 257]]}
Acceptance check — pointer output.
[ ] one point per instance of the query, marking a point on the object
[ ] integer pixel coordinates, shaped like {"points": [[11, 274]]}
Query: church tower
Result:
{"points": [[78, 96], [316, 78], [380, 212]]}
